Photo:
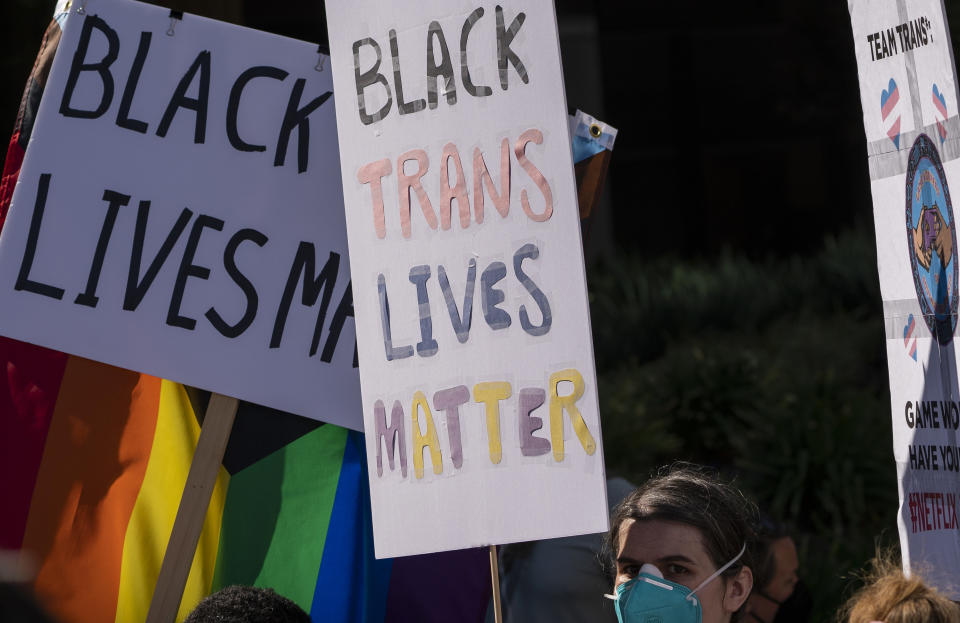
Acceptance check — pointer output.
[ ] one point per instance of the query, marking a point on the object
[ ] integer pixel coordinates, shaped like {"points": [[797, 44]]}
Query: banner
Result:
{"points": [[178, 212], [479, 390], [909, 95]]}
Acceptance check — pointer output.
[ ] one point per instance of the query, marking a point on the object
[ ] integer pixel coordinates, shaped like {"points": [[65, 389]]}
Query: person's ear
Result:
{"points": [[737, 590]]}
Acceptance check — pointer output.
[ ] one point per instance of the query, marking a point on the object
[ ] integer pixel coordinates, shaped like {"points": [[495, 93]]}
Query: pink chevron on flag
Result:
{"points": [[889, 111], [909, 338], [892, 100], [894, 132], [940, 103]]}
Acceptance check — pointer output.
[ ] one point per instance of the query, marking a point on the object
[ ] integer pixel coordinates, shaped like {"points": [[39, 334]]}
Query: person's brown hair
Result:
{"points": [[891, 597], [694, 495]]}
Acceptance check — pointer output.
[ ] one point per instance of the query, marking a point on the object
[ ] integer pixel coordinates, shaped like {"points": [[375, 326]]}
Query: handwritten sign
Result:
{"points": [[179, 211], [909, 95], [479, 390]]}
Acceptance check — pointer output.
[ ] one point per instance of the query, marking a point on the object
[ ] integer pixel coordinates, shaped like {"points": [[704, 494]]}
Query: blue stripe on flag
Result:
{"points": [[351, 584]]}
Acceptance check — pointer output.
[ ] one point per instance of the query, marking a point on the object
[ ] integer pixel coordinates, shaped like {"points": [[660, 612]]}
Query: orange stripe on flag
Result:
{"points": [[157, 503], [92, 470]]}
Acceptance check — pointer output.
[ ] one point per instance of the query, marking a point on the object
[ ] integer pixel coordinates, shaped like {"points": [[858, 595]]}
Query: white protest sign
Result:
{"points": [[479, 390], [909, 96], [179, 211]]}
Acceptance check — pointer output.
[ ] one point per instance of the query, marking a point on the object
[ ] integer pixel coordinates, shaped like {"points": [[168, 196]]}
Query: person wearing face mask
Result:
{"points": [[778, 596], [684, 549]]}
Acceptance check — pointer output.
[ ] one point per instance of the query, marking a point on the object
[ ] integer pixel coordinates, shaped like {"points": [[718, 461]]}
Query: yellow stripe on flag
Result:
{"points": [[156, 508]]}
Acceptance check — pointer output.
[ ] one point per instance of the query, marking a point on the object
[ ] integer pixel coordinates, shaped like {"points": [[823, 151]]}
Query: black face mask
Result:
{"points": [[794, 609]]}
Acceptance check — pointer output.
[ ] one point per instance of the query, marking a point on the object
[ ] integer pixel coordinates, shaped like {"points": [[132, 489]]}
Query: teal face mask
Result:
{"points": [[648, 598]]}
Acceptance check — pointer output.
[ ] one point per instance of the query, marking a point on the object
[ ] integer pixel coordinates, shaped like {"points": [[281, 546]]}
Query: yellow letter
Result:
{"points": [[491, 394], [420, 440], [569, 402]]}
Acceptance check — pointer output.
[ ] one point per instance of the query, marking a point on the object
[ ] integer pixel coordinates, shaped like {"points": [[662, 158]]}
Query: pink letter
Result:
{"points": [[458, 192], [371, 173], [481, 178], [520, 151], [406, 182]]}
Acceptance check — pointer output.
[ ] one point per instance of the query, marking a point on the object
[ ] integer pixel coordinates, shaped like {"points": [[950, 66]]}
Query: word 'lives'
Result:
{"points": [[317, 287]]}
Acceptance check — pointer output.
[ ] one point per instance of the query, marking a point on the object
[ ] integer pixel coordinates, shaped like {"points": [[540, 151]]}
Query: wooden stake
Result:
{"points": [[214, 434], [495, 578]]}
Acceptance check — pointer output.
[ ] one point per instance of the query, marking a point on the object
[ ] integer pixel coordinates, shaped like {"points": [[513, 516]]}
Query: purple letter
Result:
{"points": [[530, 399], [448, 401], [393, 434]]}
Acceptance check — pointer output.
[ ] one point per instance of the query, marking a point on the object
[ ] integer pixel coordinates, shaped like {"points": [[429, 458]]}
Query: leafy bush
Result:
{"points": [[772, 371]]}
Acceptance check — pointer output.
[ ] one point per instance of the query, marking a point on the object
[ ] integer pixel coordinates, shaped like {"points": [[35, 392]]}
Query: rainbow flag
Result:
{"points": [[293, 515], [94, 459]]}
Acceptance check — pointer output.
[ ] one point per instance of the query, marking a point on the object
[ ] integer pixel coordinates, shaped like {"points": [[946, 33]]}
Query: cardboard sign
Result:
{"points": [[909, 95], [179, 211], [479, 390]]}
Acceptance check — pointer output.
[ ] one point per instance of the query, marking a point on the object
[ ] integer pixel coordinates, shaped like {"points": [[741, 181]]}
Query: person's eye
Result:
{"points": [[675, 569], [629, 571]]}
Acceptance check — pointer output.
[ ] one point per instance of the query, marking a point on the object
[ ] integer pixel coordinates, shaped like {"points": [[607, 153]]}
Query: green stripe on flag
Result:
{"points": [[276, 516]]}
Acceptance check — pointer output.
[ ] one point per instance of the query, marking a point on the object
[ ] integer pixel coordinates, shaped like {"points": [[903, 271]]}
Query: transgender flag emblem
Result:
{"points": [[940, 103], [910, 338], [890, 112]]}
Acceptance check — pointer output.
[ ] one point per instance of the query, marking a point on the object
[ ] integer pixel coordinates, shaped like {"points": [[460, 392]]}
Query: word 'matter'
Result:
{"points": [[450, 401]]}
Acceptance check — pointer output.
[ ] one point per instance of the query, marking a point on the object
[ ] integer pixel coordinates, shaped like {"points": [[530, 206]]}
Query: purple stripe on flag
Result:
{"points": [[459, 587]]}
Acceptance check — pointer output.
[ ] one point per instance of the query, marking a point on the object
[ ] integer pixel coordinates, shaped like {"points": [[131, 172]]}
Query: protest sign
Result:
{"points": [[179, 211], [479, 390], [909, 96]]}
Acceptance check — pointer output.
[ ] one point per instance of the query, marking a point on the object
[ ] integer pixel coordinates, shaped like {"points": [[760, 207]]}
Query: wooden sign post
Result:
{"points": [[495, 580], [214, 435]]}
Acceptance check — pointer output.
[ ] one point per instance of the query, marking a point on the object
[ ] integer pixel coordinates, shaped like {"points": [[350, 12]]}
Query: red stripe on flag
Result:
{"points": [[11, 170], [30, 380]]}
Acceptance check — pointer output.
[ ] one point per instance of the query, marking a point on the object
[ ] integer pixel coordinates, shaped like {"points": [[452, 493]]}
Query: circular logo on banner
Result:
{"points": [[932, 239]]}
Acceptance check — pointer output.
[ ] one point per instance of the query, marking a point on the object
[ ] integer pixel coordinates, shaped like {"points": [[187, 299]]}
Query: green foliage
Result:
{"points": [[772, 371]]}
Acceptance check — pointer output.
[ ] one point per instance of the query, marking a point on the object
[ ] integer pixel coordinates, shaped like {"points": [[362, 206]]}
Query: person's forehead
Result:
{"points": [[785, 554], [652, 539]]}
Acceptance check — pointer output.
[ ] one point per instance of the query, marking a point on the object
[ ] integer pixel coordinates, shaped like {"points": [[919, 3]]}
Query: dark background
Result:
{"points": [[732, 264], [740, 122]]}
